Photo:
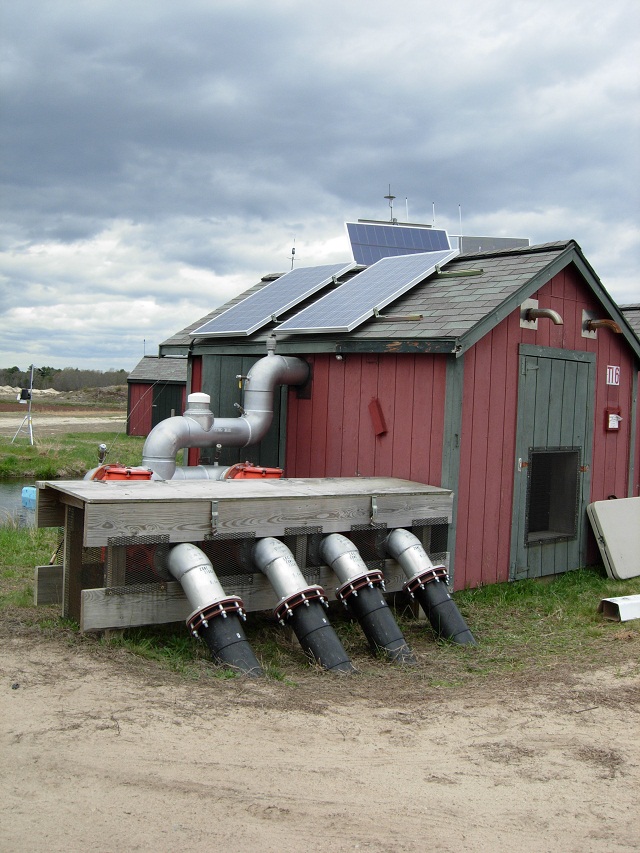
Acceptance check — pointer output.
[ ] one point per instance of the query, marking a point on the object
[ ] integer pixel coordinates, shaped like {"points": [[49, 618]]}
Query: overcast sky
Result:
{"points": [[159, 157]]}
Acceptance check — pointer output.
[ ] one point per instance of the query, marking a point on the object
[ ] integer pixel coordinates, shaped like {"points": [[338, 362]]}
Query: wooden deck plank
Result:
{"points": [[48, 582], [92, 491], [49, 507], [191, 521]]}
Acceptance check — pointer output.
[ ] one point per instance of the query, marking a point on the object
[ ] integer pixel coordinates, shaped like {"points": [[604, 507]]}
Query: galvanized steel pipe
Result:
{"points": [[300, 605], [216, 616], [426, 583], [361, 591], [198, 427]]}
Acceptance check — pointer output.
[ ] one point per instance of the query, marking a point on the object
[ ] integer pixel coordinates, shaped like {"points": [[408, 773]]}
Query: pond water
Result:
{"points": [[11, 503]]}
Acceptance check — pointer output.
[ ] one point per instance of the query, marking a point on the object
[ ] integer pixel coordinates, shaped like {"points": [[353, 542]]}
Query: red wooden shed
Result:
{"points": [[157, 390], [510, 377]]}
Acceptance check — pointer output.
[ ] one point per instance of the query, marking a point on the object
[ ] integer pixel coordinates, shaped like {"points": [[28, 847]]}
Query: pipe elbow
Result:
{"points": [[544, 313], [399, 541], [276, 370], [593, 325], [335, 546], [162, 445]]}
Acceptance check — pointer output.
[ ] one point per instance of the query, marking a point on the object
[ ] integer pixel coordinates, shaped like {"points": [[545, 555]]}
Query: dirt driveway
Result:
{"points": [[46, 424], [103, 752]]}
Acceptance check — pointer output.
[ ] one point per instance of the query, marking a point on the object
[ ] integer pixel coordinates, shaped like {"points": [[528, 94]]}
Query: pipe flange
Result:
{"points": [[200, 618], [351, 587], [285, 608], [434, 574]]}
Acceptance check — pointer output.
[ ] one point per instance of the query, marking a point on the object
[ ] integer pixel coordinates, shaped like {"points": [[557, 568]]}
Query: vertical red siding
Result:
{"points": [[487, 452], [196, 374], [485, 490], [405, 423], [332, 434], [337, 434], [140, 408]]}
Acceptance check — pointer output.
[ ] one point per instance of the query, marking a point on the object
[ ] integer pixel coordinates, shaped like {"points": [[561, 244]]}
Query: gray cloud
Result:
{"points": [[156, 154]]}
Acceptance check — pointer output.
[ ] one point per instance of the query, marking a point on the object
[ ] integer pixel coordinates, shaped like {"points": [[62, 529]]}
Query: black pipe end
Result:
{"points": [[443, 614], [379, 625], [399, 653], [229, 646], [317, 637]]}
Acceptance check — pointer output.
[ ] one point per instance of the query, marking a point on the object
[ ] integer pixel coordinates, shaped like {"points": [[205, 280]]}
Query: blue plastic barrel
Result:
{"points": [[29, 497]]}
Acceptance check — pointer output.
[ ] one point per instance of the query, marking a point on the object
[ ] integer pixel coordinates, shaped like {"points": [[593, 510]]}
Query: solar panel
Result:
{"points": [[275, 298], [371, 242], [357, 299]]}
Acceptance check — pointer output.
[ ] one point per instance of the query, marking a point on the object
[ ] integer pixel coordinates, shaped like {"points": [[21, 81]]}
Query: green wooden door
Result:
{"points": [[219, 380], [554, 437], [167, 402]]}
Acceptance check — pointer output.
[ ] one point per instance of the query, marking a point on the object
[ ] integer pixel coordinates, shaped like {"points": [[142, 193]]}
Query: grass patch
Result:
{"points": [[67, 456], [528, 628], [21, 549]]}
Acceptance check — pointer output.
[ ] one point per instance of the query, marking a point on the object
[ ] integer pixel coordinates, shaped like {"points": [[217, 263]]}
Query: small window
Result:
{"points": [[552, 494]]}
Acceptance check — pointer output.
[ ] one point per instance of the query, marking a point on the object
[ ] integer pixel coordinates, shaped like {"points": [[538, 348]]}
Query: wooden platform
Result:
{"points": [[116, 515]]}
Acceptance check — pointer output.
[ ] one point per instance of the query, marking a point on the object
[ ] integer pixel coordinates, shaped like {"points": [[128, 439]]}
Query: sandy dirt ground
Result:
{"points": [[46, 425], [105, 752], [101, 751]]}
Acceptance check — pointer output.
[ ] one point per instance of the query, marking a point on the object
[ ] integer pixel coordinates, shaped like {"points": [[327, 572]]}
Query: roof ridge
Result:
{"points": [[558, 245]]}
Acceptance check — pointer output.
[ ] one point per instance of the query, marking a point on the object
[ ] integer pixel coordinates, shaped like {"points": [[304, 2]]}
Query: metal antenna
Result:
{"points": [[292, 256], [390, 199], [25, 396]]}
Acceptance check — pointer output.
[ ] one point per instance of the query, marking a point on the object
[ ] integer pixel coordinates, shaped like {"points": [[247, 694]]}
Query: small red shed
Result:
{"points": [[510, 377], [156, 390]]}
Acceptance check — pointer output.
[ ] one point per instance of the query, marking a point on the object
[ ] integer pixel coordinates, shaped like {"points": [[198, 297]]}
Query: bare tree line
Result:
{"points": [[66, 379]]}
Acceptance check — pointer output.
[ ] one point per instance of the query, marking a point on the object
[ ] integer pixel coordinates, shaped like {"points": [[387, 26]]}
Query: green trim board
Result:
{"points": [[633, 432], [512, 302], [452, 440]]}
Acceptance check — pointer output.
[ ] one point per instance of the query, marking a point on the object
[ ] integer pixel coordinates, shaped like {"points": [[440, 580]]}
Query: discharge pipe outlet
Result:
{"points": [[300, 605], [361, 593], [198, 427], [216, 616], [428, 584]]}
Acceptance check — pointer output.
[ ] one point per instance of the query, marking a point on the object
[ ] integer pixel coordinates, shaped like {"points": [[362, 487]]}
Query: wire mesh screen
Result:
{"points": [[552, 494], [433, 533], [129, 565]]}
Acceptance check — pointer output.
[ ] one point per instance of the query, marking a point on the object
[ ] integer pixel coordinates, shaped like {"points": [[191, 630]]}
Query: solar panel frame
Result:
{"points": [[376, 287], [370, 242], [277, 297]]}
